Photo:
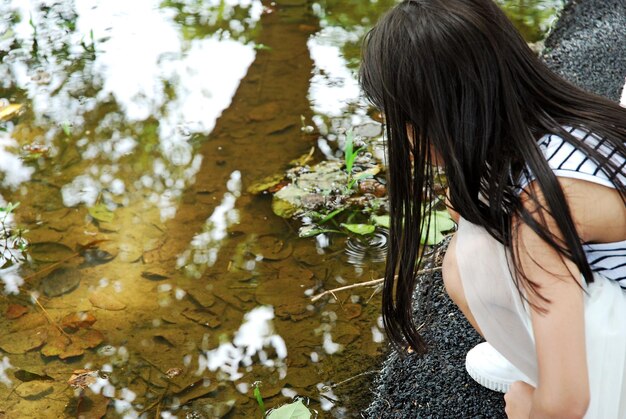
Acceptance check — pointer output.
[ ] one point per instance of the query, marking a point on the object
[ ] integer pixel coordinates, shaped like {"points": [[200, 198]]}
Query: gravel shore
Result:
{"points": [[587, 47]]}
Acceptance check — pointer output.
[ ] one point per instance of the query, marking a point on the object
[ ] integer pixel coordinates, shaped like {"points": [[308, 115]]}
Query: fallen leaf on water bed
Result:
{"points": [[130, 252], [202, 317], [87, 338], [97, 256], [100, 212], [201, 296], [49, 251], [105, 301], [71, 351], [212, 408], [15, 310], [55, 345], [29, 321], [292, 272], [295, 311], [23, 341], [352, 311], [78, 320], [196, 390], [93, 406], [24, 375], [171, 337], [34, 390], [60, 281], [156, 274], [273, 248]]}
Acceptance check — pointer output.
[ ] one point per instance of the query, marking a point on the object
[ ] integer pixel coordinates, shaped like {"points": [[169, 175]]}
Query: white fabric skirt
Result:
{"points": [[504, 319]]}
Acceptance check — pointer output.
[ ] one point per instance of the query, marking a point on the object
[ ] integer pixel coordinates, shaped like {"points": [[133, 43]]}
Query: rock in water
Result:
{"points": [[60, 281]]}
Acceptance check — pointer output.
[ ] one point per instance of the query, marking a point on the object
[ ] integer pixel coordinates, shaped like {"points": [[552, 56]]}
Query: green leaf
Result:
{"points": [[265, 183], [259, 398], [381, 220], [295, 410], [440, 221], [359, 228], [101, 213], [310, 231], [360, 176], [331, 215]]}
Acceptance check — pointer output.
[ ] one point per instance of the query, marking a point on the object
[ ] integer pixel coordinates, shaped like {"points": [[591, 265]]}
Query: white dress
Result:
{"points": [[504, 317]]}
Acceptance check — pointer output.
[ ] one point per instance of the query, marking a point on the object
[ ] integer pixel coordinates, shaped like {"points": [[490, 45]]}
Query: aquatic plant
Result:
{"points": [[12, 243]]}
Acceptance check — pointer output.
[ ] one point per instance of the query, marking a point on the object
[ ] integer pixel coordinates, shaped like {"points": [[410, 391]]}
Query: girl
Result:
{"points": [[536, 171]]}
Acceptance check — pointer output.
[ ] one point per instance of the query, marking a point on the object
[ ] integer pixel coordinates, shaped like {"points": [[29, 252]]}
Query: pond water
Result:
{"points": [[129, 132]]}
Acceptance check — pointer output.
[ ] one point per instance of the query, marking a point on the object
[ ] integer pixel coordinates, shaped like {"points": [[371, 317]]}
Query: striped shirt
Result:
{"points": [[607, 259]]}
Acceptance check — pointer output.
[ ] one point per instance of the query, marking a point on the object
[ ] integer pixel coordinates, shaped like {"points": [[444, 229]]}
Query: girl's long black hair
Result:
{"points": [[454, 77]]}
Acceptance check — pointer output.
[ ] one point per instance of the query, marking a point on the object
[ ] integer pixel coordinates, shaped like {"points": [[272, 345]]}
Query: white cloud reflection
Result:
{"points": [[204, 247], [333, 85], [143, 63], [254, 337]]}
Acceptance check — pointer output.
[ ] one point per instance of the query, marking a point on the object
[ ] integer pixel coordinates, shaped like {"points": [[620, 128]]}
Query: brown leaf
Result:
{"points": [[34, 390], [92, 407], [202, 317], [29, 321], [106, 301], [23, 341], [155, 274], [352, 310], [87, 338], [78, 320], [196, 390], [55, 345], [15, 310], [71, 351]]}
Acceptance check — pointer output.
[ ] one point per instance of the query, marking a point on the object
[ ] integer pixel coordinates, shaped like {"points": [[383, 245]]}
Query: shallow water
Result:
{"points": [[142, 124]]}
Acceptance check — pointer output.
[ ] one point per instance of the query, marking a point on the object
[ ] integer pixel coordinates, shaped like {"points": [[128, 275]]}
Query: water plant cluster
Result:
{"points": [[344, 197], [13, 248]]}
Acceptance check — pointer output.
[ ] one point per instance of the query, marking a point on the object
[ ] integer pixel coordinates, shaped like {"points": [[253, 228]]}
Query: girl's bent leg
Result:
{"points": [[453, 284]]}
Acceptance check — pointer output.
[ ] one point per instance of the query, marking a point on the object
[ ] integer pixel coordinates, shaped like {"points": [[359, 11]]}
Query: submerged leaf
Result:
{"points": [[100, 212], [34, 390], [81, 319], [23, 341], [49, 251], [106, 301], [15, 310], [265, 184]]}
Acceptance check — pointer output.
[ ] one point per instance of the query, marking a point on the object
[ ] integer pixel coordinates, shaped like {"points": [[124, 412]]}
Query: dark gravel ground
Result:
{"points": [[587, 47]]}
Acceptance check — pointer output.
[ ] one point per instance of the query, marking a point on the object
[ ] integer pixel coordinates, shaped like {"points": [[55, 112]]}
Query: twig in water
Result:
{"points": [[365, 284], [48, 317]]}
